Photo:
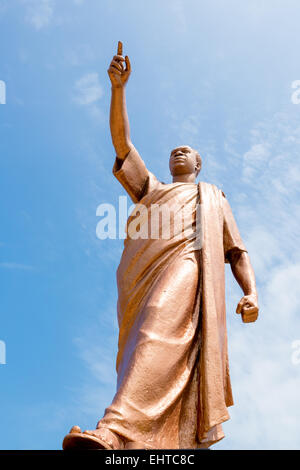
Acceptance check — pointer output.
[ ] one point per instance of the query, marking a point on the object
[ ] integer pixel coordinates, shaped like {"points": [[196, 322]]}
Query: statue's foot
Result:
{"points": [[101, 438], [134, 445]]}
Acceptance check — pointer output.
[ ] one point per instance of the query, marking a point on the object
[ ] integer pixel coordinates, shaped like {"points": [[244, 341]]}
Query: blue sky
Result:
{"points": [[215, 75]]}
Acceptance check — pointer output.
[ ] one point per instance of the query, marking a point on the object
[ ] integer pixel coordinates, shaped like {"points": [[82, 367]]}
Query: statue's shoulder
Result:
{"points": [[211, 188]]}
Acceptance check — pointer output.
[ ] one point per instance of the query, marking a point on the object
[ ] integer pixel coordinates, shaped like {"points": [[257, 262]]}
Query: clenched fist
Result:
{"points": [[248, 307], [119, 69]]}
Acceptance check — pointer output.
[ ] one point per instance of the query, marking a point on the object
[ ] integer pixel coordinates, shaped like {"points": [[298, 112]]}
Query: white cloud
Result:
{"points": [[97, 348], [265, 381], [177, 7], [10, 265], [39, 13], [3, 7], [87, 90], [80, 54], [272, 157], [253, 159], [98, 359]]}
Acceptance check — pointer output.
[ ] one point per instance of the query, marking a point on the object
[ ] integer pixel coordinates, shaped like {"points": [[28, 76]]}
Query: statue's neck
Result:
{"points": [[188, 178]]}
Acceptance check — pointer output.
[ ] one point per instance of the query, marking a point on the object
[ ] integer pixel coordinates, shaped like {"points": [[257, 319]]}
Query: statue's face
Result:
{"points": [[183, 161]]}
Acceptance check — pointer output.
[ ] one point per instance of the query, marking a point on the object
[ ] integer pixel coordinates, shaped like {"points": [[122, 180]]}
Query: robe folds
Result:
{"points": [[173, 385]]}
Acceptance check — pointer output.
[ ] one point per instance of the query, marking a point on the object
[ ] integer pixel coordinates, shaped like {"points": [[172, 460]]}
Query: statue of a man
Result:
{"points": [[173, 385]]}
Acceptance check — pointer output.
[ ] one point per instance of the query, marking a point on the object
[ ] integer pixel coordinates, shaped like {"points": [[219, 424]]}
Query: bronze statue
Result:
{"points": [[173, 385]]}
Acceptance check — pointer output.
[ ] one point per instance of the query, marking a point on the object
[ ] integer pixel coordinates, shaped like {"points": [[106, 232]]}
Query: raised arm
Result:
{"points": [[119, 124]]}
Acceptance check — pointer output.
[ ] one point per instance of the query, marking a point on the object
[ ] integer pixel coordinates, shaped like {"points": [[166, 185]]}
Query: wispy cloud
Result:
{"points": [[265, 381], [39, 13], [87, 90], [254, 158], [3, 6], [177, 7], [96, 347], [79, 54], [17, 266]]}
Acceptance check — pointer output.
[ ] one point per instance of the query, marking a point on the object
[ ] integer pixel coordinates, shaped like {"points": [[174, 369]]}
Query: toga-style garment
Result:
{"points": [[173, 386]]}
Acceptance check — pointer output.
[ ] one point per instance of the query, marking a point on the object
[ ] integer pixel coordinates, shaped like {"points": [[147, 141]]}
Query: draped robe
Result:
{"points": [[173, 385]]}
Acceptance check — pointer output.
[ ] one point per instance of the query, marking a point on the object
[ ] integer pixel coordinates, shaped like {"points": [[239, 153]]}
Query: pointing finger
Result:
{"points": [[120, 48]]}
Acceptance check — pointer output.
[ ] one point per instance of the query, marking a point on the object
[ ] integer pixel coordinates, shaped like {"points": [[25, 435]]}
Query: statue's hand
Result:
{"points": [[248, 307], [118, 73]]}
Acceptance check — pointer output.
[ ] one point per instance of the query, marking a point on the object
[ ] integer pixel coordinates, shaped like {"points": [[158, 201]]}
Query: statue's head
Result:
{"points": [[184, 160]]}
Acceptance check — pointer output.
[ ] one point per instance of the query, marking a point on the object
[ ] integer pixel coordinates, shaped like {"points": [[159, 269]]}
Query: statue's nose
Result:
{"points": [[179, 154]]}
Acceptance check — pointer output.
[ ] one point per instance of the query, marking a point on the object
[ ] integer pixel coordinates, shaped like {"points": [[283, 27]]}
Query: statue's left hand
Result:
{"points": [[248, 307]]}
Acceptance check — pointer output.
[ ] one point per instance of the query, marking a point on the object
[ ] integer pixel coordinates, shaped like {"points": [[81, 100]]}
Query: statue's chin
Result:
{"points": [[180, 173]]}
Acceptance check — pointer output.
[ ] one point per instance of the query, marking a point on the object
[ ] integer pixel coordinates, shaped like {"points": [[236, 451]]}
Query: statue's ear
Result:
{"points": [[197, 168]]}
